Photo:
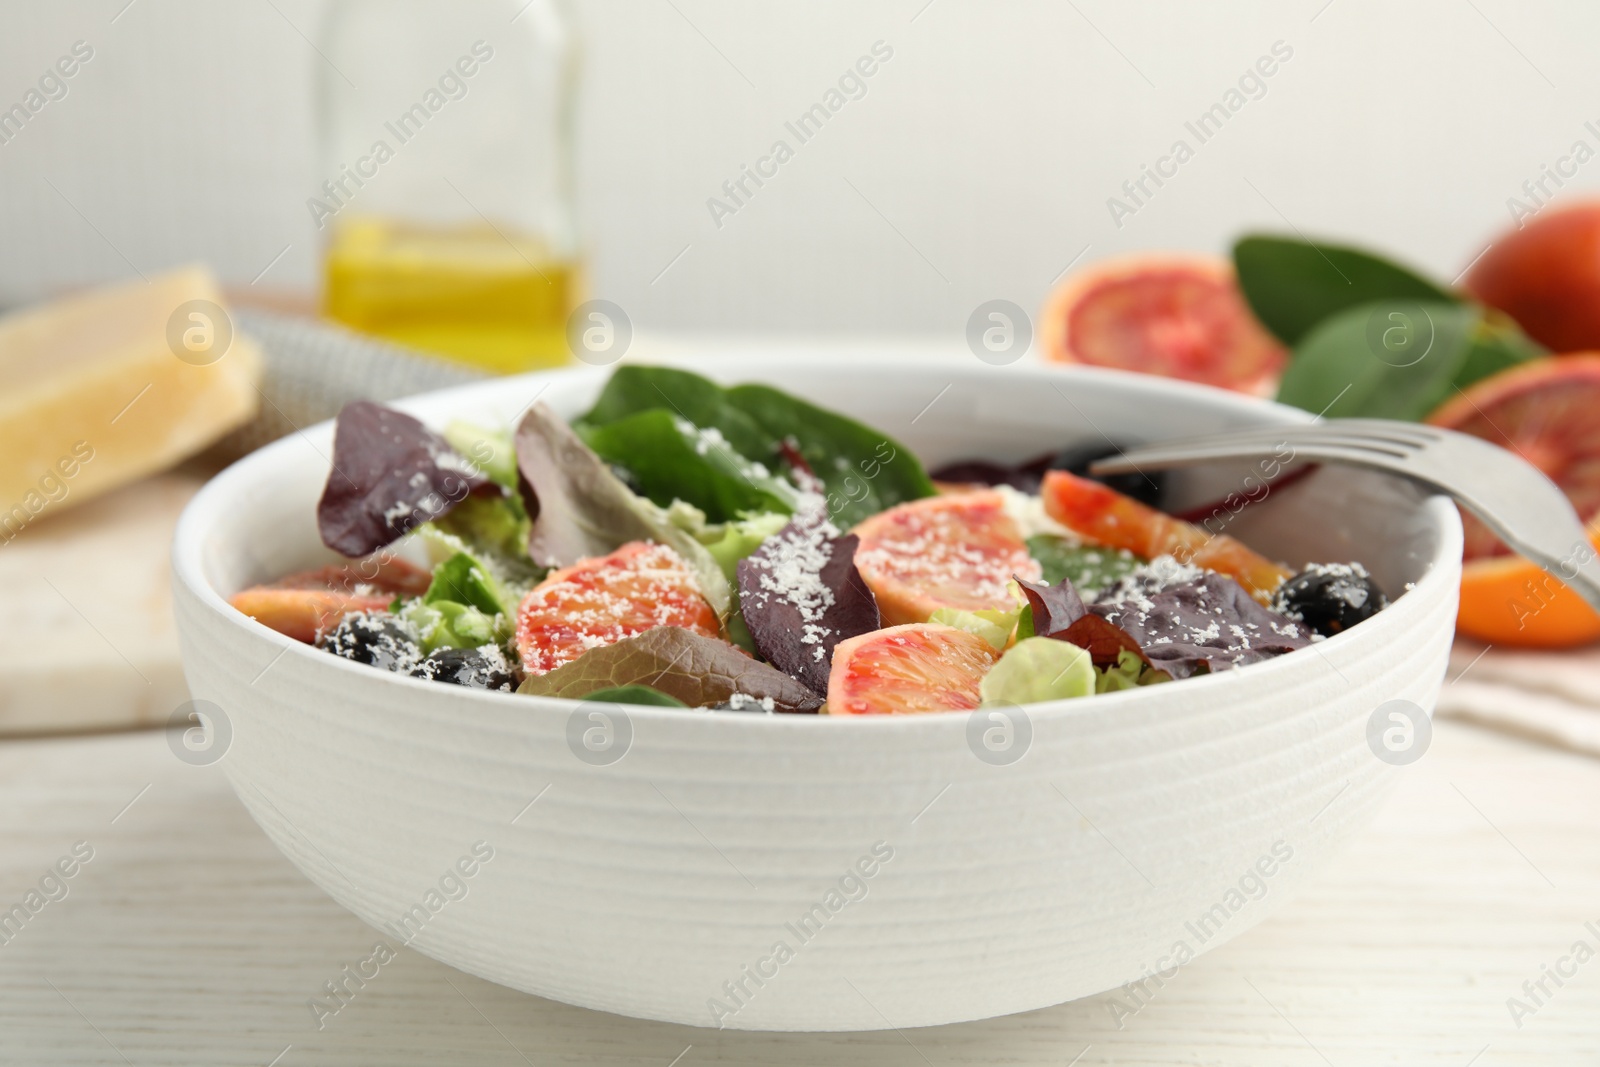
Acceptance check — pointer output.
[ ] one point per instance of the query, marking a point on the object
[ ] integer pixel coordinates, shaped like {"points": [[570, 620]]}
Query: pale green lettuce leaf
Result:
{"points": [[1039, 668]]}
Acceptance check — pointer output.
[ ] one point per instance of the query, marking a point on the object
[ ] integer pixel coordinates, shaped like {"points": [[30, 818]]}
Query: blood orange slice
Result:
{"points": [[956, 551], [1544, 411], [1173, 315], [1106, 517], [905, 670], [600, 601], [308, 604]]}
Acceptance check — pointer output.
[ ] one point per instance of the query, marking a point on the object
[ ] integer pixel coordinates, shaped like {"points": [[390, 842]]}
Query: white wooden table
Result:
{"points": [[188, 940]]}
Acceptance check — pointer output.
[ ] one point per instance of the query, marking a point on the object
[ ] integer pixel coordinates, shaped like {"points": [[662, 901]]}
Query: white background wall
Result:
{"points": [[981, 158]]}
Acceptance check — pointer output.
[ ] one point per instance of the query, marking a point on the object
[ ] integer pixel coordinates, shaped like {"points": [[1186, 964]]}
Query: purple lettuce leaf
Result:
{"points": [[1059, 612], [1055, 607], [1209, 623], [1104, 641], [390, 475], [800, 594]]}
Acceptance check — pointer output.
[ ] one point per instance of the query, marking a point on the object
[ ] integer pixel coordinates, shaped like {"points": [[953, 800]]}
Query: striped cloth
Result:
{"points": [[1553, 697], [312, 368]]}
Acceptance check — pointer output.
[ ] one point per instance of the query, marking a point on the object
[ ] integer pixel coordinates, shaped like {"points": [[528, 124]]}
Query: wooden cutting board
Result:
{"points": [[86, 634]]}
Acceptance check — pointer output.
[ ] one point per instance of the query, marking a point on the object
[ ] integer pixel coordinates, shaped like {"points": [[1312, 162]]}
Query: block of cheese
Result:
{"points": [[104, 387]]}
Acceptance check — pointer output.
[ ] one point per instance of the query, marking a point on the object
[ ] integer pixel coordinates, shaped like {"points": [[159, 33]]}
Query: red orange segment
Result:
{"points": [[1106, 517], [1511, 603], [954, 551], [1544, 411], [307, 604], [600, 601], [906, 670], [1181, 316]]}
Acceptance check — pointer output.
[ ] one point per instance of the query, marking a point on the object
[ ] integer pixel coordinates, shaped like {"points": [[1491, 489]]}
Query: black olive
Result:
{"points": [[375, 638], [1147, 488], [465, 666], [1330, 597]]}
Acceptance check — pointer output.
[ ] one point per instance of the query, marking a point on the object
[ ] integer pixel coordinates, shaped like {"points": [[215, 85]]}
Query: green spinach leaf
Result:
{"points": [[673, 459], [1089, 568], [634, 388], [635, 694], [582, 509], [862, 470]]}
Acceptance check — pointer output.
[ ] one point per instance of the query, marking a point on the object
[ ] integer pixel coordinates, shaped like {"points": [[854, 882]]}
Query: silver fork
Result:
{"points": [[1512, 497]]}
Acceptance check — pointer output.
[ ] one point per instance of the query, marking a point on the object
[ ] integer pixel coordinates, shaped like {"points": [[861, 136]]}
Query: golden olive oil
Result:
{"points": [[475, 293]]}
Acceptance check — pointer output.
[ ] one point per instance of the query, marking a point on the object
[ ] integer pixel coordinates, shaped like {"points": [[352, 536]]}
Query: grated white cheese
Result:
{"points": [[1027, 511]]}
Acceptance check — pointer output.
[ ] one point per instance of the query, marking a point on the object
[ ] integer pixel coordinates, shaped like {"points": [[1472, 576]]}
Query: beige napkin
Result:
{"points": [[1552, 697]]}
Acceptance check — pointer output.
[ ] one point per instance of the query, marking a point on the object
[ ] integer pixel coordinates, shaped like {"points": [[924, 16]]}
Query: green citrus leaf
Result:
{"points": [[1292, 285], [1399, 359]]}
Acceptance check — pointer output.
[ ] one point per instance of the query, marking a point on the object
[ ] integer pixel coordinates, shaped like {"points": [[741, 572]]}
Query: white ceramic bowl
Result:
{"points": [[1136, 829]]}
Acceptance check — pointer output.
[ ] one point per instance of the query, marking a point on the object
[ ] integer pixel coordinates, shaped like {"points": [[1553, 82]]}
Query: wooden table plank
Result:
{"points": [[188, 940]]}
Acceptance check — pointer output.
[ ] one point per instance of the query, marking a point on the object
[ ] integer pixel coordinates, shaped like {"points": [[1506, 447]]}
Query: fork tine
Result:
{"points": [[1342, 431], [1519, 503], [1179, 455], [1419, 431], [1244, 444]]}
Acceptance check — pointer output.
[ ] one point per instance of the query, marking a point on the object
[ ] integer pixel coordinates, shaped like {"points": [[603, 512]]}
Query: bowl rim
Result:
{"points": [[193, 531]]}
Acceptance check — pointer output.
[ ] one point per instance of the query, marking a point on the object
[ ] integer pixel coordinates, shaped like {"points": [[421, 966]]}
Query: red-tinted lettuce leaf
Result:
{"points": [[1209, 623], [1059, 612], [1104, 641], [390, 475], [580, 508], [1055, 607], [698, 670], [800, 594]]}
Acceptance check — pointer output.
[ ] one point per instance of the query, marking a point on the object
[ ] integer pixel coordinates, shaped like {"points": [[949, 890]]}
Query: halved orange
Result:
{"points": [[1180, 316], [1510, 602], [1547, 411]]}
